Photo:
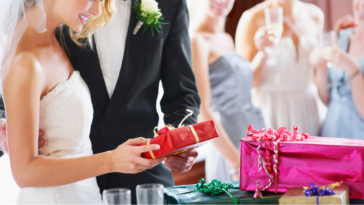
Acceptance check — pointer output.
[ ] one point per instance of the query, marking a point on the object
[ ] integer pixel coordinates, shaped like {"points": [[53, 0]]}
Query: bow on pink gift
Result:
{"points": [[268, 136]]}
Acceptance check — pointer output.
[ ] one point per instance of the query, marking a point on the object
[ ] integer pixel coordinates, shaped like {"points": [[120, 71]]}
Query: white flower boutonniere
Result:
{"points": [[149, 16]]}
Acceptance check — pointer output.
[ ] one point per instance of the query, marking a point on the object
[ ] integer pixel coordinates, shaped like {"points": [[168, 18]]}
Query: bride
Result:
{"points": [[42, 91]]}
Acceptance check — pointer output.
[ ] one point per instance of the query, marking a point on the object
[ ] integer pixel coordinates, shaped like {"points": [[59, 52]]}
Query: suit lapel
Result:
{"points": [[92, 74], [131, 66]]}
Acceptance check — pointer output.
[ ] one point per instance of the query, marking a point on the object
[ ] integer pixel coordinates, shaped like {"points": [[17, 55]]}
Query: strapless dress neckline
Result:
{"points": [[60, 85]]}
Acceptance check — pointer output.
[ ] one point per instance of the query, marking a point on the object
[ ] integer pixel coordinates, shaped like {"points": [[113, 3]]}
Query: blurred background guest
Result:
{"points": [[284, 88], [341, 87], [224, 80], [344, 22]]}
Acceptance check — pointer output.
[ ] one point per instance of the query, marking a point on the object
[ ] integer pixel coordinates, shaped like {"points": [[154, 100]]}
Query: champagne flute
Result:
{"points": [[328, 39], [117, 196], [150, 194], [274, 24]]}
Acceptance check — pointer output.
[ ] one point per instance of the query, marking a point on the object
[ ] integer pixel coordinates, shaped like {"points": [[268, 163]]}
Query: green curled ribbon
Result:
{"points": [[215, 188]]}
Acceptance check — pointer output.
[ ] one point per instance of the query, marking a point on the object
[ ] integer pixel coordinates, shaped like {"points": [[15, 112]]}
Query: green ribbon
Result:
{"points": [[215, 188]]}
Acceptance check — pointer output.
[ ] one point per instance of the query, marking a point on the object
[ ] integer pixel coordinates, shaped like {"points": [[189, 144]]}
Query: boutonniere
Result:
{"points": [[149, 16]]}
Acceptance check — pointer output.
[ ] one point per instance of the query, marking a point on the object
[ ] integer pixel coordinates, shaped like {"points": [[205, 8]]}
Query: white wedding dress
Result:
{"points": [[287, 95], [66, 115]]}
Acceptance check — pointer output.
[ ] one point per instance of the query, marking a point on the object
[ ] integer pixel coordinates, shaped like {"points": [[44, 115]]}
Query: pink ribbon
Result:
{"points": [[266, 136]]}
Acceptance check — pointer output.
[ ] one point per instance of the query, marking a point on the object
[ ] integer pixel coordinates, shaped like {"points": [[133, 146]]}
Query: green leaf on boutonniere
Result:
{"points": [[152, 20]]}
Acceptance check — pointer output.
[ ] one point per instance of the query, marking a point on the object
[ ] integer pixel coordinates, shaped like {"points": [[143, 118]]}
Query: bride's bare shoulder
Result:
{"points": [[26, 62], [24, 68]]}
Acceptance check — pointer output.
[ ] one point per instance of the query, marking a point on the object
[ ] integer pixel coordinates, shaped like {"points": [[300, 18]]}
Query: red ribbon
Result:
{"points": [[267, 136]]}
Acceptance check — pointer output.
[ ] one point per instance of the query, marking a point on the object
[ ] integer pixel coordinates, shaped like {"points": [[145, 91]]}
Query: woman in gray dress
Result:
{"points": [[341, 87], [224, 80]]}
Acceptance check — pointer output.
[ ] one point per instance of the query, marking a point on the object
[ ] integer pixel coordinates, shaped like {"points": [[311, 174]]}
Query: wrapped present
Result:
{"points": [[186, 195], [339, 196], [299, 160], [174, 141]]}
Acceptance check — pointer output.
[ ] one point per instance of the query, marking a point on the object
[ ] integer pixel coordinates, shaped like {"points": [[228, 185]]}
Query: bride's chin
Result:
{"points": [[77, 28]]}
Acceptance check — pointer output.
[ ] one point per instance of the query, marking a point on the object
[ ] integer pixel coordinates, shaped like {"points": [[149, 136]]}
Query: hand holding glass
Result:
{"points": [[328, 39], [274, 25]]}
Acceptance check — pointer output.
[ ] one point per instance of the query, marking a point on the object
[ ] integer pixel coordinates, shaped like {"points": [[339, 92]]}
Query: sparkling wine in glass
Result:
{"points": [[328, 39], [117, 196], [274, 24], [276, 29], [150, 194]]}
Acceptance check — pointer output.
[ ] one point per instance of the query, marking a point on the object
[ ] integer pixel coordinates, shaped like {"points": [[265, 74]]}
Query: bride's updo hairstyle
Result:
{"points": [[107, 12]]}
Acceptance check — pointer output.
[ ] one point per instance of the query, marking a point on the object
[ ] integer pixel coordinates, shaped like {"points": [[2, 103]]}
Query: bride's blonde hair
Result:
{"points": [[107, 12]]}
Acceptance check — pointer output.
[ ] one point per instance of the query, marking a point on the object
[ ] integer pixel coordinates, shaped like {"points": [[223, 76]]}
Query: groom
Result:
{"points": [[123, 72]]}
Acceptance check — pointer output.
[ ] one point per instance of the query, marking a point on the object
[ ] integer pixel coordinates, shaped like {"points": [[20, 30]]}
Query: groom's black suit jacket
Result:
{"points": [[131, 111]]}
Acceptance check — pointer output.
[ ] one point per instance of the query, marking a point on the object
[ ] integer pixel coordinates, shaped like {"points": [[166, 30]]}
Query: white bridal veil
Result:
{"points": [[15, 17]]}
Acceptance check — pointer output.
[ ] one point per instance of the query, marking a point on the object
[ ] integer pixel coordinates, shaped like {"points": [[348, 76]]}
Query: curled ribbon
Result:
{"points": [[215, 188], [171, 127], [265, 136], [318, 191]]}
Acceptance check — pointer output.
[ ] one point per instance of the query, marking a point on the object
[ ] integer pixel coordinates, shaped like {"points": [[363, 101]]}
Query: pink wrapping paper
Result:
{"points": [[314, 160]]}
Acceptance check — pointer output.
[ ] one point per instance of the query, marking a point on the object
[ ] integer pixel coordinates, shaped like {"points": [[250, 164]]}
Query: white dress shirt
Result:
{"points": [[110, 44]]}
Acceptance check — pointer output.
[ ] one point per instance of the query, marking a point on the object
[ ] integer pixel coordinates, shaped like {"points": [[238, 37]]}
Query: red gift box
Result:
{"points": [[175, 141], [317, 160]]}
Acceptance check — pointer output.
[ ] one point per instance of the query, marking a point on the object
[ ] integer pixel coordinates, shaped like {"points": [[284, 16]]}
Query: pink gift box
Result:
{"points": [[314, 160]]}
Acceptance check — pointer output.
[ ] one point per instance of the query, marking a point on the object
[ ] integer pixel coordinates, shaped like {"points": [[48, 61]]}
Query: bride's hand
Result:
{"points": [[127, 157], [3, 138]]}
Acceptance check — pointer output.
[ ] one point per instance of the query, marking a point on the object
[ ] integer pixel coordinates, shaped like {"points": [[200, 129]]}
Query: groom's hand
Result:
{"points": [[182, 162], [4, 137]]}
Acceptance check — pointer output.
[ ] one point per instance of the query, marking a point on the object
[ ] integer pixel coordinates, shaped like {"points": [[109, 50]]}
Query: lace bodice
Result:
{"points": [[66, 115]]}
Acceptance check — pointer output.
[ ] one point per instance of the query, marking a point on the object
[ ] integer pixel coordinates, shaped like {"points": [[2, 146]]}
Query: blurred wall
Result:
{"points": [[333, 10], [233, 18]]}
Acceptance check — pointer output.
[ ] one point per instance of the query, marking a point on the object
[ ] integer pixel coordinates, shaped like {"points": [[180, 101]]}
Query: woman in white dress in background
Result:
{"points": [[42, 91], [284, 91]]}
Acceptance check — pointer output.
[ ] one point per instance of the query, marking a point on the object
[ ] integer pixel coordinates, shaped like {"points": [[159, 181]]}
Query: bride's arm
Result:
{"points": [[22, 90]]}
